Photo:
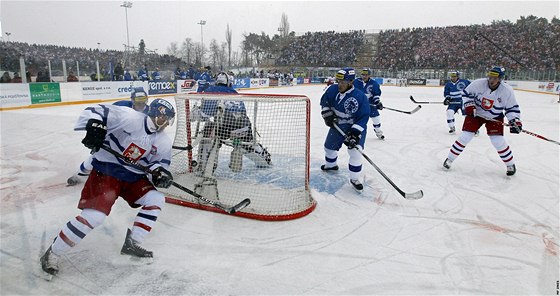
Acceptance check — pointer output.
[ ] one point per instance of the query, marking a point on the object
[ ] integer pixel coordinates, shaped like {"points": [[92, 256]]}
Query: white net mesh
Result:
{"points": [[257, 149]]}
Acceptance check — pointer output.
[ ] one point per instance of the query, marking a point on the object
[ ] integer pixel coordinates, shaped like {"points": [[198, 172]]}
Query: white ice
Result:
{"points": [[475, 232]]}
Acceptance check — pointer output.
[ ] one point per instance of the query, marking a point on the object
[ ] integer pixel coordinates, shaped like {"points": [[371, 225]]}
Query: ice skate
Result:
{"points": [[447, 163], [379, 134], [452, 130], [132, 248], [327, 169], [511, 170], [76, 179], [49, 262], [357, 185]]}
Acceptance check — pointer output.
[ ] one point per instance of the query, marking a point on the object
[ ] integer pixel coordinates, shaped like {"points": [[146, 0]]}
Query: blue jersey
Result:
{"points": [[454, 90], [129, 104], [351, 108], [142, 75], [371, 88], [131, 133]]}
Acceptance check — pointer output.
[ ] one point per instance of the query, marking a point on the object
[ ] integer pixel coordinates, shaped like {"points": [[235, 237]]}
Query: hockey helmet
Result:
{"points": [[347, 74], [454, 74], [222, 79], [138, 94], [163, 112], [499, 72], [366, 71]]}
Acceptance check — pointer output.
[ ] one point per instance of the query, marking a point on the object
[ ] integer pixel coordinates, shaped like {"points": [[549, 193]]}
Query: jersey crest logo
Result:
{"points": [[153, 151], [461, 85], [487, 104], [351, 105], [134, 152]]}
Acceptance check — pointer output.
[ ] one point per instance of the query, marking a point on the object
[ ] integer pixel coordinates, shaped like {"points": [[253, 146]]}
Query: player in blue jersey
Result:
{"points": [[138, 101], [486, 102], [204, 80], [453, 99], [233, 128], [373, 92], [138, 137], [349, 108]]}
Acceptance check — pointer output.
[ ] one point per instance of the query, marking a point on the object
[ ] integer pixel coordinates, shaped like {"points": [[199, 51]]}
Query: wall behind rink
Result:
{"points": [[17, 96]]}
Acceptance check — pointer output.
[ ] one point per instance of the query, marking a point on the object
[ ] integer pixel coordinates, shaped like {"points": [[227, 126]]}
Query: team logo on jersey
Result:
{"points": [[153, 151], [461, 85], [134, 152], [351, 105], [487, 104]]}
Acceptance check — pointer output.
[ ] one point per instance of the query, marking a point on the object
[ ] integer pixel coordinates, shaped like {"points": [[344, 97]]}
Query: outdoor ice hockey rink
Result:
{"points": [[475, 231]]}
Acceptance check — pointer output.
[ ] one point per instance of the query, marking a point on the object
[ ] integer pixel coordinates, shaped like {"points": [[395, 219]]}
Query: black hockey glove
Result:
{"points": [[95, 134], [329, 117], [352, 138], [162, 178], [379, 105], [515, 126], [447, 101]]}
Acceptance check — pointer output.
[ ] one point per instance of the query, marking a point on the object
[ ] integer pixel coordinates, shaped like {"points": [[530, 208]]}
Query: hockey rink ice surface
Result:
{"points": [[475, 231]]}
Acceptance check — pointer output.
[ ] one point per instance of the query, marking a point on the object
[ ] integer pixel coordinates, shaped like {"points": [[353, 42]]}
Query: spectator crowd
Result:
{"points": [[529, 43]]}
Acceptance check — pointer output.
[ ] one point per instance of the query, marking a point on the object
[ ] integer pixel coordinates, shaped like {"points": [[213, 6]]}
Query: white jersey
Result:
{"points": [[132, 134], [492, 104]]}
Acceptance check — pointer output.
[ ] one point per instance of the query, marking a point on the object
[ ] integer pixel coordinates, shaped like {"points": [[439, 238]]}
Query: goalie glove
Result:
{"points": [[162, 178], [352, 138], [329, 117], [470, 109], [515, 126], [95, 134]]}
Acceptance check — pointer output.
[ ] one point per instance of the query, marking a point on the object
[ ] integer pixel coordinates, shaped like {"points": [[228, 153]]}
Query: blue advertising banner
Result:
{"points": [[241, 83], [162, 87]]}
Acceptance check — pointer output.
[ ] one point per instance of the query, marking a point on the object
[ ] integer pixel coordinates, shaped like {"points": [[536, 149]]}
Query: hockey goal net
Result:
{"points": [[229, 147]]}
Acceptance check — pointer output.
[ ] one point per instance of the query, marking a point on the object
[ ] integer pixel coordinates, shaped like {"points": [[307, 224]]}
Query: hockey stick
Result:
{"points": [[424, 102], [415, 195], [525, 131], [406, 112], [229, 210]]}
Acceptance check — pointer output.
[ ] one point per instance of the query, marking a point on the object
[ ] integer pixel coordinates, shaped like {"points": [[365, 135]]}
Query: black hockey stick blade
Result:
{"points": [[238, 207], [406, 112], [189, 147], [418, 102], [415, 195]]}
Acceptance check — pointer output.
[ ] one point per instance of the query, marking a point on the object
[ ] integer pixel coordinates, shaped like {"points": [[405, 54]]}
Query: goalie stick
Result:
{"points": [[425, 102], [406, 112], [522, 130], [230, 210], [412, 196]]}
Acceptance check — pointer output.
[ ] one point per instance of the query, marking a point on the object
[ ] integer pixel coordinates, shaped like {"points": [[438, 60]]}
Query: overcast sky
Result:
{"points": [[85, 23]]}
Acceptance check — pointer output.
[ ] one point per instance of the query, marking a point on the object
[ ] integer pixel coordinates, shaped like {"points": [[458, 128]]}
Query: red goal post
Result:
{"points": [[269, 163]]}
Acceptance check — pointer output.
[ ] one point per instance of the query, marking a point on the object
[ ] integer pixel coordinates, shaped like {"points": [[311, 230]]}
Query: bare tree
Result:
{"points": [[284, 28], [228, 41], [173, 49], [187, 51]]}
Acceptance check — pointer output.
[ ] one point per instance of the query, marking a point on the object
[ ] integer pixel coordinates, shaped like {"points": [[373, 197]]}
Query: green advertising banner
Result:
{"points": [[44, 93]]}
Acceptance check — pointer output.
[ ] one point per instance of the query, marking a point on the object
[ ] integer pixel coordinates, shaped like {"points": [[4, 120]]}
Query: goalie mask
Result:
{"points": [[222, 79], [162, 113]]}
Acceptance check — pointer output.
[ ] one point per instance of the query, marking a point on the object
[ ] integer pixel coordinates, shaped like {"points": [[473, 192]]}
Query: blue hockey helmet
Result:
{"points": [[138, 94], [499, 72], [347, 74], [162, 112]]}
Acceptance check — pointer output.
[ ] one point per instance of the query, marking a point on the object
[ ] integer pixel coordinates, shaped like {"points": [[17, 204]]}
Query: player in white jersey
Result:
{"points": [[138, 137], [486, 100], [138, 101]]}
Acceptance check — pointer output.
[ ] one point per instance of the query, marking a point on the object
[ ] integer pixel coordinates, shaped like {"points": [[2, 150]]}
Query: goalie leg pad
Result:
{"points": [[259, 155]]}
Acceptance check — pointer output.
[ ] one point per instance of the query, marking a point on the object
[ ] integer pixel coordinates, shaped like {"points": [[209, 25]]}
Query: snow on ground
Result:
{"points": [[475, 232]]}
